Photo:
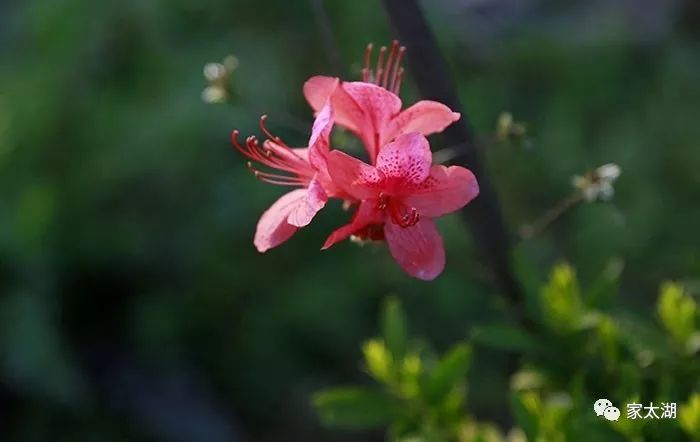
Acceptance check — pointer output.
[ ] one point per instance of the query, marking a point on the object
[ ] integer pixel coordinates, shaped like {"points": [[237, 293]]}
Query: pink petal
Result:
{"points": [[348, 113], [367, 213], [418, 249], [407, 160], [320, 135], [301, 152], [426, 117], [352, 176], [380, 106], [273, 228], [314, 201], [446, 189], [317, 90]]}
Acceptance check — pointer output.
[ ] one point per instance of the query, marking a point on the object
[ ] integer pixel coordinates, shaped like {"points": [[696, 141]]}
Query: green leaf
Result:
{"points": [[503, 337], [409, 374], [378, 360], [561, 299], [526, 410], [677, 311], [689, 416], [449, 372], [354, 408], [394, 328], [608, 339]]}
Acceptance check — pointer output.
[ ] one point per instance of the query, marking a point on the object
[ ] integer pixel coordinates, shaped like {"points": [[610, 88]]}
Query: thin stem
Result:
{"points": [[550, 216]]}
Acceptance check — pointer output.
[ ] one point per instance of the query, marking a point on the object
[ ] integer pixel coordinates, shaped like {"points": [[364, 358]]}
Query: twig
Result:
{"points": [[429, 70], [540, 224], [483, 215], [330, 45]]}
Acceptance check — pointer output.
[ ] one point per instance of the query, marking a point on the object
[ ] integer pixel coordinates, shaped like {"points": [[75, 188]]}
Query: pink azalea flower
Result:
{"points": [[399, 199], [304, 168], [371, 108]]}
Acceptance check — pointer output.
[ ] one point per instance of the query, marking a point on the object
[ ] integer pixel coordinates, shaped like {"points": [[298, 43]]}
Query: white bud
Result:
{"points": [[213, 94], [609, 172], [598, 185], [214, 71]]}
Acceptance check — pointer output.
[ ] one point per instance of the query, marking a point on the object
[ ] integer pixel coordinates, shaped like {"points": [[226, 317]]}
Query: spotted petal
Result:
{"points": [[446, 189], [407, 160], [425, 117]]}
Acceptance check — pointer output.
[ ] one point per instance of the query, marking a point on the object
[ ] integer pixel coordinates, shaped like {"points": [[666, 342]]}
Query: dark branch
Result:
{"points": [[330, 46], [429, 71]]}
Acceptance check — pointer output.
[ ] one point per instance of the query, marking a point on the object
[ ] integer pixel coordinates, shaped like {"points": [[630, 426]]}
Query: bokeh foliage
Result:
{"points": [[574, 355]]}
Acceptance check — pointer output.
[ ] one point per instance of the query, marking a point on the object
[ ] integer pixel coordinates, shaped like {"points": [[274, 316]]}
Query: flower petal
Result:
{"points": [[379, 105], [315, 199], [366, 214], [352, 176], [418, 249], [446, 189], [407, 160], [320, 136], [273, 228], [426, 117], [348, 113], [302, 152], [317, 90]]}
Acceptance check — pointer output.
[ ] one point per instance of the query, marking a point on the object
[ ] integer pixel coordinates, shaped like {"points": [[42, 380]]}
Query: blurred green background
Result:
{"points": [[133, 305]]}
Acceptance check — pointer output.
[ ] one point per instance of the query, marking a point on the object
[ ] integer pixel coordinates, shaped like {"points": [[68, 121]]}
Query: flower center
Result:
{"points": [[399, 212]]}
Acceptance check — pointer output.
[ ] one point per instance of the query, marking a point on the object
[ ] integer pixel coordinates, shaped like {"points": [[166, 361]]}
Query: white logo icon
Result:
{"points": [[605, 408], [600, 406], [612, 413]]}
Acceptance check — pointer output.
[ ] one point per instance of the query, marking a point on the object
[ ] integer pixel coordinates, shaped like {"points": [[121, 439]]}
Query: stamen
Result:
{"points": [[276, 154], [403, 219], [389, 61], [380, 63], [395, 80], [272, 178], [383, 201], [366, 70], [278, 140], [413, 218], [397, 86], [387, 72]]}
